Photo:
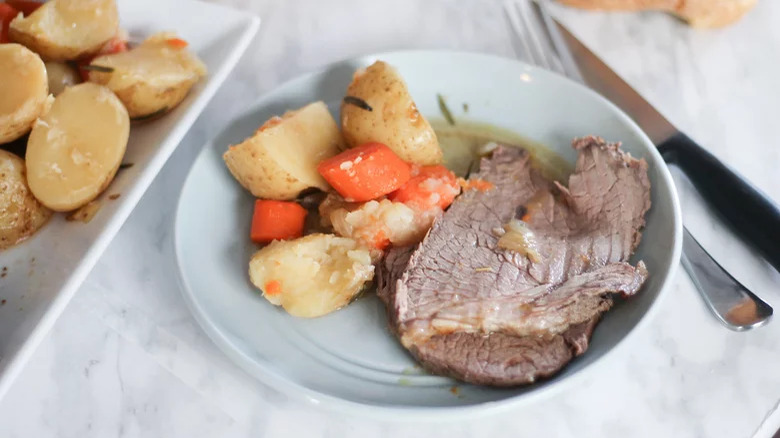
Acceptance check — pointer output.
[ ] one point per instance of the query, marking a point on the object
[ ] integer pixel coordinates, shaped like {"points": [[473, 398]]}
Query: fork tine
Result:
{"points": [[528, 19], [562, 56], [531, 31], [519, 41]]}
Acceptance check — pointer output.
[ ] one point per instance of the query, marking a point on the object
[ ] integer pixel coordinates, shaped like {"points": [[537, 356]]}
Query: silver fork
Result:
{"points": [[537, 41]]}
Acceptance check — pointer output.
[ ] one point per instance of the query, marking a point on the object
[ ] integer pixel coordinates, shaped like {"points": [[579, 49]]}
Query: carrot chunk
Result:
{"points": [[26, 7], [277, 220], [177, 43], [432, 186], [365, 172], [273, 287], [7, 13]]}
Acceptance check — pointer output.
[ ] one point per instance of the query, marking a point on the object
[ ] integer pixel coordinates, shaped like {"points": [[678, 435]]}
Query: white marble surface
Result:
{"points": [[126, 358]]}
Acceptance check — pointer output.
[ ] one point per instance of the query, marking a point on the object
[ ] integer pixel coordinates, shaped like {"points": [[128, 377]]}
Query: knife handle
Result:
{"points": [[749, 212]]}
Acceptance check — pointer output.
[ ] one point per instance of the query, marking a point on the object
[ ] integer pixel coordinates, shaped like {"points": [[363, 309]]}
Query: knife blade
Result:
{"points": [[597, 75], [750, 213]]}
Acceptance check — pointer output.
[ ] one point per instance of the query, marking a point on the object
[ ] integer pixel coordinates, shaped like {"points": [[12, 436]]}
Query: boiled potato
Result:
{"points": [[151, 78], [62, 30], [313, 275], [75, 149], [23, 90], [280, 160], [61, 76], [21, 214], [393, 120]]}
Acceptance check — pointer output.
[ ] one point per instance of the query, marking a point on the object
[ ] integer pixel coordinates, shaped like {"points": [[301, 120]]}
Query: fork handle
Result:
{"points": [[749, 212]]}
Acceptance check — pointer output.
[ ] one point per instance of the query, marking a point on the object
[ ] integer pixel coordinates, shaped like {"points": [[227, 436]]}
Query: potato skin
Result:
{"points": [[313, 275], [21, 215], [152, 77], [280, 160], [142, 100], [254, 168], [18, 63], [62, 30], [394, 119]]}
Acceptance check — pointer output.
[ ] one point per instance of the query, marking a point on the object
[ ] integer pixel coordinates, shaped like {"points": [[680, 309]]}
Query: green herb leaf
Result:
{"points": [[444, 110], [98, 68], [358, 102]]}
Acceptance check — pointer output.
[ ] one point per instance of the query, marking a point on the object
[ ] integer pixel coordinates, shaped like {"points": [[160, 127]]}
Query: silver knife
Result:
{"points": [[748, 211], [731, 302]]}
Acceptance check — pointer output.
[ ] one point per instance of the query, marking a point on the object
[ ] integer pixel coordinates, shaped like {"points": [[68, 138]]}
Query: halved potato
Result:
{"points": [[313, 275], [21, 214], [151, 78], [280, 160], [61, 76], [393, 119], [23, 90], [62, 30], [75, 149]]}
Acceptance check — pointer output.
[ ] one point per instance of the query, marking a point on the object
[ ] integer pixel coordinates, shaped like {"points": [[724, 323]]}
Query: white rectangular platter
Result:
{"points": [[39, 276]]}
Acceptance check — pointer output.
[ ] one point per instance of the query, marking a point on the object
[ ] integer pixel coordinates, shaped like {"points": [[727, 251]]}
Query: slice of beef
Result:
{"points": [[467, 308], [500, 359]]}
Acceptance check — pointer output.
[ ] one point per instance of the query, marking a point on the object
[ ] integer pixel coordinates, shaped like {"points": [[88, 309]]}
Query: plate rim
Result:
{"points": [[15, 362], [403, 414]]}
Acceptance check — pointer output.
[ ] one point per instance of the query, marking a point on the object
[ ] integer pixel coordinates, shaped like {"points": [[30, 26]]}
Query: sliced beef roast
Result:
{"points": [[468, 308]]}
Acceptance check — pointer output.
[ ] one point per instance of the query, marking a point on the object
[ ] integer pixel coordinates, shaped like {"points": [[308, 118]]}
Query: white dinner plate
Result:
{"points": [[41, 274], [348, 360]]}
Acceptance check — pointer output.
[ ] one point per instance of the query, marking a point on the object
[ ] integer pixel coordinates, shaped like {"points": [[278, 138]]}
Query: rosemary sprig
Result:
{"points": [[444, 110], [358, 102], [98, 68]]}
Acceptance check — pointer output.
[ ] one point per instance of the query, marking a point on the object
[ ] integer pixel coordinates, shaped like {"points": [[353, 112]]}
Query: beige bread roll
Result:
{"points": [[698, 13], [714, 13]]}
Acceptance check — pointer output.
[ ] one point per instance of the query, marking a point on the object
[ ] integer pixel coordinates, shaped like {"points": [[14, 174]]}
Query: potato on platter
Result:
{"points": [[75, 149], [62, 30], [313, 275], [61, 76], [151, 78], [21, 214], [390, 116], [23, 90], [280, 160]]}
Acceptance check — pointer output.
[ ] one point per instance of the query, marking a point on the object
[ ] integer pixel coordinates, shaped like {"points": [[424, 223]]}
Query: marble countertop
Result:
{"points": [[127, 359]]}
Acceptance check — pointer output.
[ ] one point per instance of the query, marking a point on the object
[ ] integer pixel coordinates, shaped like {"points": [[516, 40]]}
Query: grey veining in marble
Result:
{"points": [[127, 359]]}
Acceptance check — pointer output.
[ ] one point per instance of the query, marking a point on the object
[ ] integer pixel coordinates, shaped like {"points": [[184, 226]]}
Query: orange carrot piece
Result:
{"points": [[273, 287], [82, 72], [277, 220], [380, 240], [365, 172], [432, 186], [177, 43], [7, 13], [475, 184], [114, 45], [26, 7]]}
